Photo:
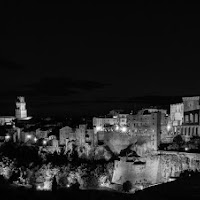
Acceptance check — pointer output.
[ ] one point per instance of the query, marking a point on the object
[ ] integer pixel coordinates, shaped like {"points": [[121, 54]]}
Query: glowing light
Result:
{"points": [[7, 137], [28, 136], [168, 127], [123, 129], [68, 185], [44, 142], [141, 187], [117, 128], [39, 187], [98, 128], [35, 139], [186, 148]]}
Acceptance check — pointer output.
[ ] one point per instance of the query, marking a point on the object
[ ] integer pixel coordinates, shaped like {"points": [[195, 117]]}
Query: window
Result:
{"points": [[186, 118], [196, 130], [191, 117], [196, 117]]}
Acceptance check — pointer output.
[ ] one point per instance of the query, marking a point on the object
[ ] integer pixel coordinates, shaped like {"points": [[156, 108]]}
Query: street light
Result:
{"points": [[35, 139], [7, 137], [28, 136], [117, 128], [123, 129], [98, 128], [168, 127], [44, 142], [186, 148]]}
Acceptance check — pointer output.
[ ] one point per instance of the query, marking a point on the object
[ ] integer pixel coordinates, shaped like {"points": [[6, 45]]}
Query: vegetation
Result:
{"points": [[179, 144], [127, 186], [24, 165]]}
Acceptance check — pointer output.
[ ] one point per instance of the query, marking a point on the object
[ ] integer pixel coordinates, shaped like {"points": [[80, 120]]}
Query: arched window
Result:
{"points": [[196, 117], [191, 117], [186, 118]]}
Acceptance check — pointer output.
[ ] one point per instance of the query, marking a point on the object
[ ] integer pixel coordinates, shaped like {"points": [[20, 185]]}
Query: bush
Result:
{"points": [[127, 186]]}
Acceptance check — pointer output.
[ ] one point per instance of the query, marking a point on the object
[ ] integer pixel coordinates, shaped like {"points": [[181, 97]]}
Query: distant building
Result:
{"points": [[191, 123], [100, 122], [146, 126], [89, 137], [20, 111], [42, 133], [114, 119], [6, 120], [80, 134], [176, 114], [64, 133]]}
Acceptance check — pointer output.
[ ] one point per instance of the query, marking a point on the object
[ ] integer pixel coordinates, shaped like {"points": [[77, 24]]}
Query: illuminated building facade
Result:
{"points": [[191, 122], [20, 111], [147, 124]]}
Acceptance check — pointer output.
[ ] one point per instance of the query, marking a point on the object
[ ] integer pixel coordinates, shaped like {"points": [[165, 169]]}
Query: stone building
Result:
{"points": [[20, 111], [100, 122], [80, 134], [176, 114], [191, 123], [176, 118], [42, 132], [6, 120], [115, 120], [89, 137], [64, 133], [147, 123]]}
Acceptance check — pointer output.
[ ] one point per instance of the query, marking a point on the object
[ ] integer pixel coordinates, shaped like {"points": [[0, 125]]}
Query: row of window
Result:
{"points": [[190, 131], [191, 118]]}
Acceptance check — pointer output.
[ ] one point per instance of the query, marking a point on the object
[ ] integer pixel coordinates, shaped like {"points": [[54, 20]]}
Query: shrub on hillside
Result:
{"points": [[127, 186]]}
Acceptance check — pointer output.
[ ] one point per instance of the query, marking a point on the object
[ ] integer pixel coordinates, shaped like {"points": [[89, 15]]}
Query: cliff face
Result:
{"points": [[118, 141], [156, 168], [142, 171]]}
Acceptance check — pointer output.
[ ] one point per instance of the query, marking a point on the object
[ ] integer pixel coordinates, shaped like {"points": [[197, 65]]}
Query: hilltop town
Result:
{"points": [[145, 148]]}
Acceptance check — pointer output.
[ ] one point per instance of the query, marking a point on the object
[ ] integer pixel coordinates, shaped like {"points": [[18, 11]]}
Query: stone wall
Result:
{"points": [[155, 168], [142, 171]]}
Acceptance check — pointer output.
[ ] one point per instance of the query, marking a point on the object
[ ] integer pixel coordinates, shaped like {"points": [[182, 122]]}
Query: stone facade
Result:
{"points": [[191, 123], [64, 133], [42, 133], [80, 134], [155, 168], [148, 122], [20, 111], [176, 114]]}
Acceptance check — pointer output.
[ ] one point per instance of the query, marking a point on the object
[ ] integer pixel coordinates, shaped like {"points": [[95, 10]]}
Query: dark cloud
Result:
{"points": [[10, 65], [55, 86]]}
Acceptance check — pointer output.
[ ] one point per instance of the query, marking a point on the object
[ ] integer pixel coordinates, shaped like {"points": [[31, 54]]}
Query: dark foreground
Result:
{"points": [[181, 189]]}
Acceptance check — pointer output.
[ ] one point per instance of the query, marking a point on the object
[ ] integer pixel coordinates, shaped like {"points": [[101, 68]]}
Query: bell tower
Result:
{"points": [[20, 111]]}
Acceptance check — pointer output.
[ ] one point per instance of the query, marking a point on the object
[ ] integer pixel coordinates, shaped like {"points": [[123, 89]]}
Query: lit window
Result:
{"points": [[196, 117], [191, 117], [186, 118]]}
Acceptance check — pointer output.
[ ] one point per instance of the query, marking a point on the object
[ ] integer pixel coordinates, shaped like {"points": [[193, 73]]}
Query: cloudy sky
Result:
{"points": [[90, 58]]}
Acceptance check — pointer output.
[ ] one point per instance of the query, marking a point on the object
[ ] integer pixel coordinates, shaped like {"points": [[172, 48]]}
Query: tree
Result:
{"points": [[54, 184], [178, 140], [127, 186]]}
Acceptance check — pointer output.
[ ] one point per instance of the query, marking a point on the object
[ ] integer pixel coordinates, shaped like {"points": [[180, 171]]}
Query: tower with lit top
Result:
{"points": [[20, 111]]}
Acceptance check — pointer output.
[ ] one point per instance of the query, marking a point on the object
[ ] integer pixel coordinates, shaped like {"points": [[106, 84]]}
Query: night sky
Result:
{"points": [[79, 59]]}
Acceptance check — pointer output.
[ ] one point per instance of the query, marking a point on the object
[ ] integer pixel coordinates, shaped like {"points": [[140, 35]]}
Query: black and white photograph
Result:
{"points": [[99, 101]]}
